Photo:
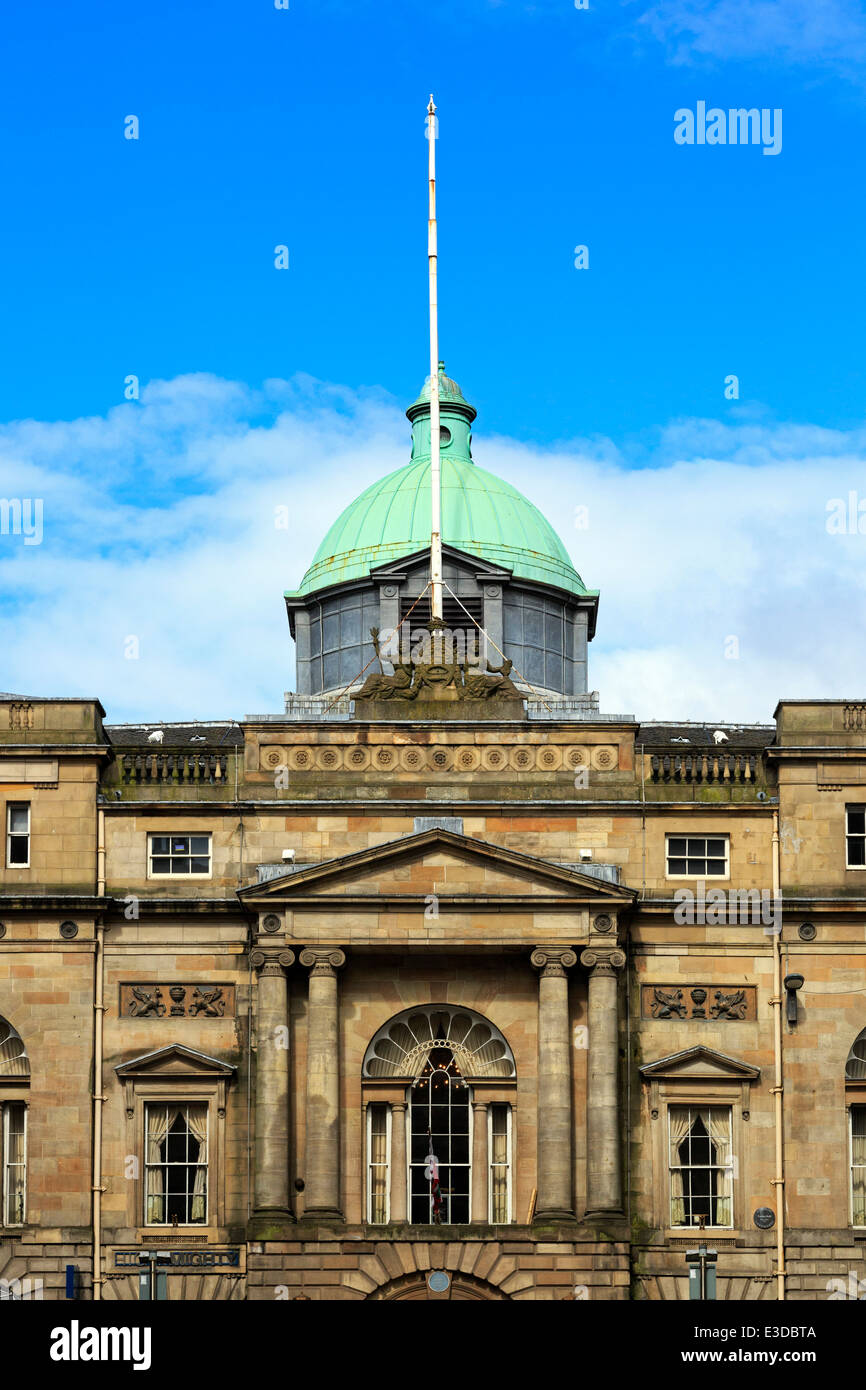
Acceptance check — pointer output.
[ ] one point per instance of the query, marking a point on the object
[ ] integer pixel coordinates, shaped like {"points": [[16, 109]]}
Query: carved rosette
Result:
{"points": [[322, 962], [271, 962], [553, 960], [602, 962]]}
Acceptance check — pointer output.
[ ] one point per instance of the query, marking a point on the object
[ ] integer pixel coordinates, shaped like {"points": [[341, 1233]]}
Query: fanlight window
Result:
{"points": [[13, 1054], [855, 1067], [402, 1047]]}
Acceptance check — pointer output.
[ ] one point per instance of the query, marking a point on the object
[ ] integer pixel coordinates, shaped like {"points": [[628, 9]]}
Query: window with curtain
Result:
{"points": [[176, 1164], [701, 1165], [858, 1165], [499, 1148], [377, 1164], [14, 1171]]}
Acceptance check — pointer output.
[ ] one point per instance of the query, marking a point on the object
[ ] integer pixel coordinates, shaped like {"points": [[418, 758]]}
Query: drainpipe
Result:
{"points": [[776, 1002], [98, 1097]]}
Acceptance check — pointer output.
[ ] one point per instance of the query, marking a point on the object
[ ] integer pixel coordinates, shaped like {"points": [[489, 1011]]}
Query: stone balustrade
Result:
{"points": [[178, 767]]}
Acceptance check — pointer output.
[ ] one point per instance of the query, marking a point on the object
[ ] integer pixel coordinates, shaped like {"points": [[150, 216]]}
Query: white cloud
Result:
{"points": [[159, 523], [816, 32]]}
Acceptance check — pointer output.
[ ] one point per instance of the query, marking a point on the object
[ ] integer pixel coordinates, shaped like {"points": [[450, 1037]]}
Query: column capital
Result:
{"points": [[603, 962], [271, 962], [399, 1105], [553, 960], [325, 961]]}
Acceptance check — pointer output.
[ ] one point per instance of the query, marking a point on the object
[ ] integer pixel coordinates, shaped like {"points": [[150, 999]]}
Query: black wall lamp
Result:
{"points": [[792, 984]]}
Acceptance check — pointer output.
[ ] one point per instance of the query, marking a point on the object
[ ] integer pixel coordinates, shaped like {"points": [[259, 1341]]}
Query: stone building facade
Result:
{"points": [[612, 974]]}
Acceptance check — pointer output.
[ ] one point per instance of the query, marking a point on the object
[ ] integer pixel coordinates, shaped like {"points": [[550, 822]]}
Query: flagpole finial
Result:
{"points": [[432, 105]]}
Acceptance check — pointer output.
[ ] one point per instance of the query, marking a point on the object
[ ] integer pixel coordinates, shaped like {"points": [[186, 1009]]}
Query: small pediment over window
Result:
{"points": [[699, 1063], [174, 1060], [699, 1076]]}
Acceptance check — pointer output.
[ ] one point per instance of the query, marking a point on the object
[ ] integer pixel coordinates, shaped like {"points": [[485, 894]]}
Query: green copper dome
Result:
{"points": [[481, 514]]}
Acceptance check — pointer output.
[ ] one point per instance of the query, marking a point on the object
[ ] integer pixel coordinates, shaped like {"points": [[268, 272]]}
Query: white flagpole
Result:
{"points": [[435, 463]]}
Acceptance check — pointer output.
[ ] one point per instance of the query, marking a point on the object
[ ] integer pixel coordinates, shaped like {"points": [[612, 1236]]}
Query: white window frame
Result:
{"points": [[5, 1190], [509, 1121], [386, 1165], [146, 1167], [443, 1163], [17, 834], [706, 877], [730, 1192], [183, 835], [854, 868], [857, 1225]]}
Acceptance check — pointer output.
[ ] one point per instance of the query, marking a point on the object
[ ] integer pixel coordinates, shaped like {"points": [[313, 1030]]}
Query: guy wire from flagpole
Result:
{"points": [[435, 463]]}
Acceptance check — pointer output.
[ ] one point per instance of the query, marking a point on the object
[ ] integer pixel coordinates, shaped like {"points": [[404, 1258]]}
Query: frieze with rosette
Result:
{"points": [[440, 757]]}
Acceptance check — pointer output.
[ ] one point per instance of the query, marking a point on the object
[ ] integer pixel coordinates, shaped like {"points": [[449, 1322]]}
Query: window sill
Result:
{"points": [[695, 1233], [174, 878]]}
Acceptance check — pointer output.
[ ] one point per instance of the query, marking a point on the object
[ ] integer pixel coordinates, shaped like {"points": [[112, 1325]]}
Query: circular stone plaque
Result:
{"points": [[438, 1281]]}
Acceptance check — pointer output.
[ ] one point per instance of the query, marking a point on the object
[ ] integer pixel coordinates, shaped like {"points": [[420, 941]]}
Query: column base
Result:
{"points": [[269, 1223], [554, 1216], [323, 1214]]}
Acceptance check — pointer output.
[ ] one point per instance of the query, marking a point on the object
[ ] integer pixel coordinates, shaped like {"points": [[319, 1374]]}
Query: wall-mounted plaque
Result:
{"points": [[711, 1003], [170, 1000]]}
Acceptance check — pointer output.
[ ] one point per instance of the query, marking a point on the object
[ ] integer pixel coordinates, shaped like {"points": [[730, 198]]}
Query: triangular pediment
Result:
{"points": [[699, 1063], [442, 862], [174, 1060]]}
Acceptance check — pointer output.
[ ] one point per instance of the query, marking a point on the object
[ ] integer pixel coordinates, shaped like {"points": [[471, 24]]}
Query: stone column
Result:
{"points": [[554, 1201], [480, 1163], [271, 1186], [603, 1152], [322, 1161], [398, 1162]]}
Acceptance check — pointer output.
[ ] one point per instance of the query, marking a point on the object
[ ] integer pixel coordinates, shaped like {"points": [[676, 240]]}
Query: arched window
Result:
{"points": [[439, 1162], [14, 1081], [855, 1090], [401, 1048], [439, 1087]]}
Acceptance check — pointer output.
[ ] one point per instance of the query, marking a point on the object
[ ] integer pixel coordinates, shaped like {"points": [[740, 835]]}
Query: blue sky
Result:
{"points": [[305, 127], [260, 127]]}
